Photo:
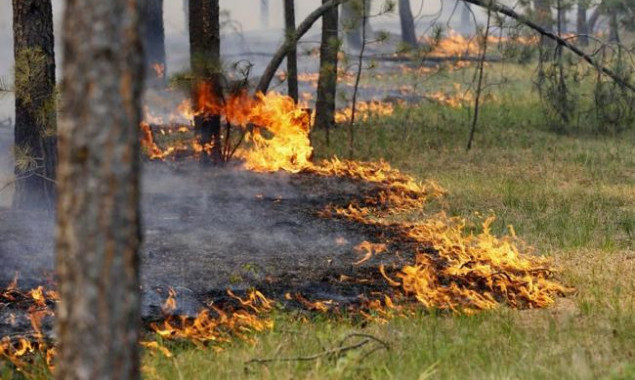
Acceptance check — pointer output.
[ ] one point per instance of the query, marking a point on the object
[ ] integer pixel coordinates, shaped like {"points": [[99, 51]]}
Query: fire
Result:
{"points": [[365, 110], [217, 325], [457, 45]]}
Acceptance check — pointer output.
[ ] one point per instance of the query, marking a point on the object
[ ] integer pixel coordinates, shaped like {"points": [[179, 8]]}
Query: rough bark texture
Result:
{"points": [[98, 232], [581, 23], [327, 81], [408, 34], [206, 67], [154, 39], [35, 104], [292, 57]]}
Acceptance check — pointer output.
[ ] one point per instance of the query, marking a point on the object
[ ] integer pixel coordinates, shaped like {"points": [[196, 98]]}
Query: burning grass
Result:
{"points": [[451, 270]]}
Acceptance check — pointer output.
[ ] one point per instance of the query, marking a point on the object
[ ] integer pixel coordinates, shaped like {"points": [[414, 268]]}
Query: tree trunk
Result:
{"points": [[582, 26], [327, 81], [563, 28], [35, 104], [593, 19], [264, 14], [292, 57], [351, 22], [543, 14], [206, 67], [98, 232], [408, 34], [290, 44], [614, 34], [154, 39]]}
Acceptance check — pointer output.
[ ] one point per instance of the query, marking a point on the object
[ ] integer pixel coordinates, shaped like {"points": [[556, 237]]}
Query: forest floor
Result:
{"points": [[571, 196]]}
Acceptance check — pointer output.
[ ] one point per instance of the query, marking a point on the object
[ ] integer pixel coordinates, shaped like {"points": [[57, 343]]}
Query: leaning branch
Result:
{"points": [[493, 6], [291, 42]]}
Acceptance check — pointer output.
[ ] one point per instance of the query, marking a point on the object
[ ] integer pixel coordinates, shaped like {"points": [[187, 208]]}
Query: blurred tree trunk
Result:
{"points": [[292, 57], [351, 19], [582, 26], [593, 19], [614, 33], [562, 17], [408, 34], [543, 14], [98, 232], [154, 39], [264, 14], [206, 68], [327, 81], [35, 104]]}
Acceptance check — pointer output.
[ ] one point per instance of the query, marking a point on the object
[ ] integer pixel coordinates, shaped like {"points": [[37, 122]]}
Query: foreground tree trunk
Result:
{"points": [[408, 34], [292, 57], [35, 104], [154, 40], [581, 23], [327, 81], [206, 68], [98, 233]]}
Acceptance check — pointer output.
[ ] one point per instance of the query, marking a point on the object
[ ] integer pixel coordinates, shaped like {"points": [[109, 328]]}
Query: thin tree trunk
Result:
{"points": [[351, 22], [264, 14], [593, 19], [292, 57], [358, 77], [283, 50], [98, 232], [408, 34], [582, 26], [206, 67], [35, 104], [622, 81], [562, 18], [327, 81], [154, 39], [614, 34]]}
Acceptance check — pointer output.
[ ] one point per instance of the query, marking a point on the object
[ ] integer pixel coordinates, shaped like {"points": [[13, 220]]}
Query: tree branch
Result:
{"points": [[493, 6], [290, 43]]}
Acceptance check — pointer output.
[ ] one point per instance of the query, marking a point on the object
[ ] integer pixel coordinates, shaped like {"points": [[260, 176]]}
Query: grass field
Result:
{"points": [[571, 197]]}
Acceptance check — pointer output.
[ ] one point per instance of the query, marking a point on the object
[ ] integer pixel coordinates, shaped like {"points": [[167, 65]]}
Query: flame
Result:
{"points": [[208, 328], [364, 111], [159, 70]]}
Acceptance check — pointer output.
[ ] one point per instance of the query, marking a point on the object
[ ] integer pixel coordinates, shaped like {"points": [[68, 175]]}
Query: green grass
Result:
{"points": [[571, 197]]}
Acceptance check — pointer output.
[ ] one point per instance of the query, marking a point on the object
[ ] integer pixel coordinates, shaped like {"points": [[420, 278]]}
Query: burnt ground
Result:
{"points": [[207, 231]]}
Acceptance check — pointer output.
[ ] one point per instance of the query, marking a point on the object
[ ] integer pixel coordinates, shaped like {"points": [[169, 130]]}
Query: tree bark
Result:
{"points": [[408, 34], [154, 39], [292, 57], [206, 68], [581, 22], [98, 232], [327, 81], [35, 104]]}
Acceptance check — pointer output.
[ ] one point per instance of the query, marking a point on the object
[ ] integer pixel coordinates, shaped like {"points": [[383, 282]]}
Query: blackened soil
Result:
{"points": [[209, 230]]}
